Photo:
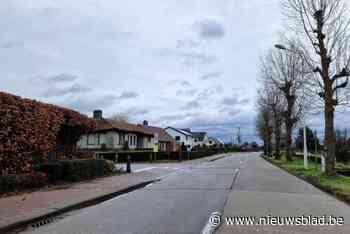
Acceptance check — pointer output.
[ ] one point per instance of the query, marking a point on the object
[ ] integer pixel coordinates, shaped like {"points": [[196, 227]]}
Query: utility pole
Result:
{"points": [[305, 149], [239, 136]]}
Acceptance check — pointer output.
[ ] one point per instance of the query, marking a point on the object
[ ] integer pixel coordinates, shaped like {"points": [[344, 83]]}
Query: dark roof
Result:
{"points": [[215, 140], [186, 133], [162, 134], [106, 125], [186, 130], [199, 135]]}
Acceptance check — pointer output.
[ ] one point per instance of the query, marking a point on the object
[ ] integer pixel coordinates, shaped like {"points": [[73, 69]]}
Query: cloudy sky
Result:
{"points": [[184, 63]]}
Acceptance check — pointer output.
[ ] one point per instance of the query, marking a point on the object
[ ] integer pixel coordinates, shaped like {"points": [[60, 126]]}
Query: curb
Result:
{"points": [[343, 198], [21, 225]]}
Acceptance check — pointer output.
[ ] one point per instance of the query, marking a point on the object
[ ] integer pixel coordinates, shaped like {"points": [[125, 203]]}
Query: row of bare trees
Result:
{"points": [[311, 69]]}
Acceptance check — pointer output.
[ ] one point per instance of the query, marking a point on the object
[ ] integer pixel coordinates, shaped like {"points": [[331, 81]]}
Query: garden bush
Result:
{"points": [[54, 170], [30, 130], [80, 169], [11, 183]]}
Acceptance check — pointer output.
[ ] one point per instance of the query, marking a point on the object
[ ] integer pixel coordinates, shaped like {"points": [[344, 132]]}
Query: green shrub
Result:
{"points": [[54, 170], [31, 180], [80, 169]]}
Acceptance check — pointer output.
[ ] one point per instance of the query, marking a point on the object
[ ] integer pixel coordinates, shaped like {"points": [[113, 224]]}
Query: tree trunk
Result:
{"points": [[329, 130], [289, 140], [277, 136], [269, 147]]}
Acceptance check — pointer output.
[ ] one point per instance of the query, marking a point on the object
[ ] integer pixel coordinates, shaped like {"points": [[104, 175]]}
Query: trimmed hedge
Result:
{"points": [[76, 170], [54, 170], [11, 183], [29, 130]]}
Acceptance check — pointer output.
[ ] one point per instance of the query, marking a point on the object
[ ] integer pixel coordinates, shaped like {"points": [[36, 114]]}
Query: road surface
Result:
{"points": [[183, 201]]}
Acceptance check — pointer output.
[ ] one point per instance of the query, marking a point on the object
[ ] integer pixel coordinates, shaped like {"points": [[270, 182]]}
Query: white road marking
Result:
{"points": [[144, 169]]}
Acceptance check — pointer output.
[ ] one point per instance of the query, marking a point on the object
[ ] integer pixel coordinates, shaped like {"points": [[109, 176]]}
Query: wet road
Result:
{"points": [[180, 203]]}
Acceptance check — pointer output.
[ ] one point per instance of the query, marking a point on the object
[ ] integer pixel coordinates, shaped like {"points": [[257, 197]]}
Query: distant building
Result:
{"points": [[111, 136], [162, 140], [200, 138], [181, 136], [214, 141]]}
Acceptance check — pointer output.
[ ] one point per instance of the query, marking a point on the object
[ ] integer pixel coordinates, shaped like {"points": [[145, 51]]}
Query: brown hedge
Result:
{"points": [[29, 130]]}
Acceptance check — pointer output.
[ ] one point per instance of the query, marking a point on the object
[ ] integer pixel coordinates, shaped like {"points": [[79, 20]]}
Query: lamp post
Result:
{"points": [[306, 166], [282, 47]]}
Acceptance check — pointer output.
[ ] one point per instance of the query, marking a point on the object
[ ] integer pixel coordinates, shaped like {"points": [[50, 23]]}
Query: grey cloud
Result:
{"points": [[73, 89], [231, 101], [185, 83], [87, 104], [59, 78], [187, 44], [222, 125], [112, 35], [186, 93], [208, 92], [174, 117], [128, 95], [191, 105], [193, 58], [210, 29], [132, 112], [210, 75], [11, 44], [190, 58], [64, 77]]}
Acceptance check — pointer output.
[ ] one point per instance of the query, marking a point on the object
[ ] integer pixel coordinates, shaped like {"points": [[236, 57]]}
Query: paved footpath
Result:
{"points": [[28, 206], [263, 189]]}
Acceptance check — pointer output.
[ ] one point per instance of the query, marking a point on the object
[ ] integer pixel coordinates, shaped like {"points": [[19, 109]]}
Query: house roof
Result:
{"points": [[199, 135], [162, 134], [186, 133], [106, 125], [215, 140]]}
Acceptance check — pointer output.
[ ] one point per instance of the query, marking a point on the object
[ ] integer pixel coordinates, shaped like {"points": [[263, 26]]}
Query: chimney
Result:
{"points": [[145, 123], [98, 114]]}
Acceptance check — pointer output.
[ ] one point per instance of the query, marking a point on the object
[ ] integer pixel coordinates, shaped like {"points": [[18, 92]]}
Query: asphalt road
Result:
{"points": [[180, 203], [239, 185]]}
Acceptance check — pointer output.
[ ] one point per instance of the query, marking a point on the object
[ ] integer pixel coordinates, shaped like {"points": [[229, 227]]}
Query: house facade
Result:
{"points": [[163, 141], [212, 141], [200, 139], [181, 136], [113, 136]]}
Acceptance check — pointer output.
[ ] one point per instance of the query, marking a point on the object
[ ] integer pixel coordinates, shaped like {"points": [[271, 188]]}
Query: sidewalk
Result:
{"points": [[263, 189], [21, 209], [26, 207]]}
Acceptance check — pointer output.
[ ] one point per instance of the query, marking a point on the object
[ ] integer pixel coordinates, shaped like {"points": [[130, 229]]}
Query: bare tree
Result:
{"points": [[270, 98], [323, 27], [286, 72], [264, 127]]}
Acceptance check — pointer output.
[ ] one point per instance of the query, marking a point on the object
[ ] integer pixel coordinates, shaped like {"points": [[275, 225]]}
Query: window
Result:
{"points": [[177, 138], [90, 139], [121, 139]]}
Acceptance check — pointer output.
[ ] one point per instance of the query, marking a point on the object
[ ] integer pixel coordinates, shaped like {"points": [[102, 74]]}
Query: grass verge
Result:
{"points": [[338, 185]]}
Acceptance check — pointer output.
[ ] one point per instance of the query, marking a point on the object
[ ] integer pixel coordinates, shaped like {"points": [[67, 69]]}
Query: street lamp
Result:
{"points": [[282, 47]]}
